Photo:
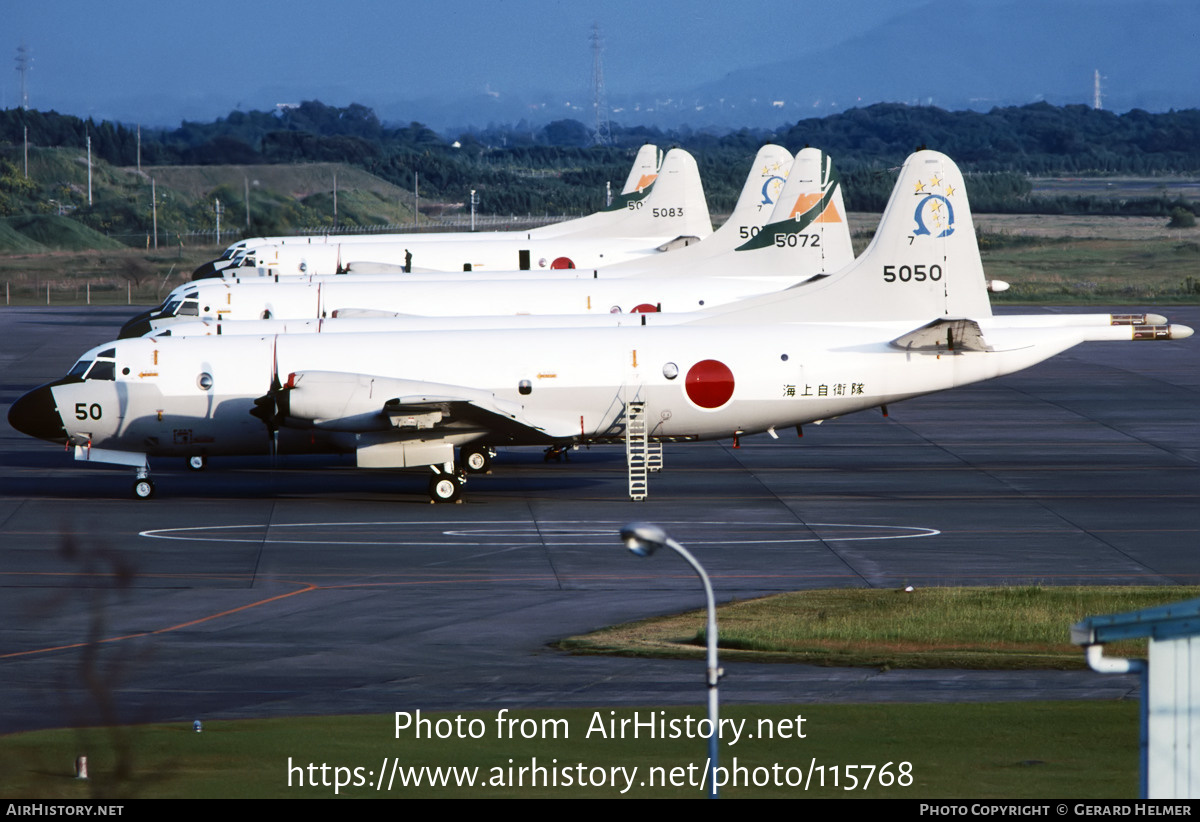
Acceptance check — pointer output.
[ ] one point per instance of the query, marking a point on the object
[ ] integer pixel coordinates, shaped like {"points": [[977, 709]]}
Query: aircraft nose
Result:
{"points": [[206, 271], [36, 415], [137, 327]]}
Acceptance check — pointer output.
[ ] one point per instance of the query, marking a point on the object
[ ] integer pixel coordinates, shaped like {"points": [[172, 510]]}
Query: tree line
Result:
{"points": [[553, 168]]}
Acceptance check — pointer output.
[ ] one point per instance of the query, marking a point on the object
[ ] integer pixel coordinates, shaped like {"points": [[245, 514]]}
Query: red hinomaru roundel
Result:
{"points": [[709, 384]]}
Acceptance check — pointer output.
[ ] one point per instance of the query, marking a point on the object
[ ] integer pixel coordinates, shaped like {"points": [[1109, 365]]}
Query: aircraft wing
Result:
{"points": [[362, 403], [501, 420]]}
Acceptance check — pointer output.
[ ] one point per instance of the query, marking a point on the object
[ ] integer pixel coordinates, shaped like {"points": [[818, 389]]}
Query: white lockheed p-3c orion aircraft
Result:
{"points": [[909, 317]]}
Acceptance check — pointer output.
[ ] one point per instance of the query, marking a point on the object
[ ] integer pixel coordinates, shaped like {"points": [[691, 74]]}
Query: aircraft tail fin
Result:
{"points": [[922, 264], [676, 204], [641, 177], [807, 234], [608, 221], [760, 193]]}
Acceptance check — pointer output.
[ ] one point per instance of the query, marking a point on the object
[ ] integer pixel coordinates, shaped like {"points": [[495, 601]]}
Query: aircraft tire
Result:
{"points": [[197, 462], [476, 459], [445, 488], [143, 488]]}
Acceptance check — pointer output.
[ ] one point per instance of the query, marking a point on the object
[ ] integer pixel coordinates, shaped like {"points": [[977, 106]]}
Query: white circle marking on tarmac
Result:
{"points": [[523, 532]]}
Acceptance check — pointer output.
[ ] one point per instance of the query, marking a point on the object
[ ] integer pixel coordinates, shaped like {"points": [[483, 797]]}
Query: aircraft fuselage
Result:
{"points": [[568, 387]]}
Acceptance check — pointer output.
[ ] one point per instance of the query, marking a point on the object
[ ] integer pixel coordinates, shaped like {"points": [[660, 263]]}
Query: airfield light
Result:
{"points": [[644, 539]]}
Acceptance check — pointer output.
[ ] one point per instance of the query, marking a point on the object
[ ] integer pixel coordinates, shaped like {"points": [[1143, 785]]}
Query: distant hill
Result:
{"points": [[13, 241], [299, 180], [50, 211], [32, 233]]}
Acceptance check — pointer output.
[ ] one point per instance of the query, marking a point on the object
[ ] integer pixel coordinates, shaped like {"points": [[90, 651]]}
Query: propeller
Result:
{"points": [[272, 407]]}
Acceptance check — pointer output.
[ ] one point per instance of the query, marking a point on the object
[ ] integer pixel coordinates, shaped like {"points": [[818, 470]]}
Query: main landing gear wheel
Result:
{"points": [[143, 488], [445, 488], [476, 459], [197, 462], [557, 453]]}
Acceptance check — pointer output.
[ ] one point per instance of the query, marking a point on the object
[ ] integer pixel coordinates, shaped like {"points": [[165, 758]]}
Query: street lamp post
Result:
{"points": [[644, 539]]}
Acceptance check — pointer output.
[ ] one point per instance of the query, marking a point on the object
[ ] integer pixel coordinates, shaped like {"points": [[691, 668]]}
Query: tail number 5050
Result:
{"points": [[911, 273]]}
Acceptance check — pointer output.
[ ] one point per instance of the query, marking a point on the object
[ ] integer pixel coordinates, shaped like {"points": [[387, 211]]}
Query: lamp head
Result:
{"points": [[642, 538]]}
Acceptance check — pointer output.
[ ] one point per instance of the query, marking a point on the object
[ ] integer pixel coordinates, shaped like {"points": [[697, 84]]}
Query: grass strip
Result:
{"points": [[982, 628], [1081, 750]]}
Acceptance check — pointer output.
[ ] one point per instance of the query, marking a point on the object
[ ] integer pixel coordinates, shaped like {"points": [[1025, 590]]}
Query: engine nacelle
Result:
{"points": [[336, 401]]}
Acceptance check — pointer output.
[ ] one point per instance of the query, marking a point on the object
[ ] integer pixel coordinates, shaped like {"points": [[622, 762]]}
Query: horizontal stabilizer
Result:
{"points": [[942, 336], [679, 242], [359, 313], [372, 267]]}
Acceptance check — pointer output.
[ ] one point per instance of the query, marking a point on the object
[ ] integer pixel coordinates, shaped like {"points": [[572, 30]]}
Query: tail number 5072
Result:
{"points": [[793, 239]]}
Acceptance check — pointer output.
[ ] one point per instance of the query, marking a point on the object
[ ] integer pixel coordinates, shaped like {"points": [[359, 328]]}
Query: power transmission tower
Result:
{"points": [[603, 135], [24, 63]]}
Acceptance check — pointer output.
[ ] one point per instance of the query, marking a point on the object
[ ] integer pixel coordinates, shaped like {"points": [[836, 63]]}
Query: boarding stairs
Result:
{"points": [[637, 450]]}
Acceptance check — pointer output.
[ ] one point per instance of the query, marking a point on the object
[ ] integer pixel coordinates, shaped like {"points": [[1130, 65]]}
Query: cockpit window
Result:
{"points": [[103, 370], [110, 353], [169, 308], [190, 308]]}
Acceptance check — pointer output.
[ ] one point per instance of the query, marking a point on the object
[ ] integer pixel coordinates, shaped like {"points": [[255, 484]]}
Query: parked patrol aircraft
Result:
{"points": [[808, 234], [807, 212], [673, 213], [909, 317], [637, 185], [758, 198]]}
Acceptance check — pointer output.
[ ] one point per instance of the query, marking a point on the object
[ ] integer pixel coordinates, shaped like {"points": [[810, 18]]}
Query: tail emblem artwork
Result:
{"points": [[773, 184], [771, 189], [935, 211], [645, 182], [812, 208]]}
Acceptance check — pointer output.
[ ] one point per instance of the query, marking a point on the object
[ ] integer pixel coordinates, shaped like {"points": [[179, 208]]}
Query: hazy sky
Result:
{"points": [[158, 62]]}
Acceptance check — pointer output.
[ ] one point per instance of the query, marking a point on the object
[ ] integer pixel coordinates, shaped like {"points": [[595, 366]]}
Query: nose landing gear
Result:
{"points": [[143, 486], [446, 485]]}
